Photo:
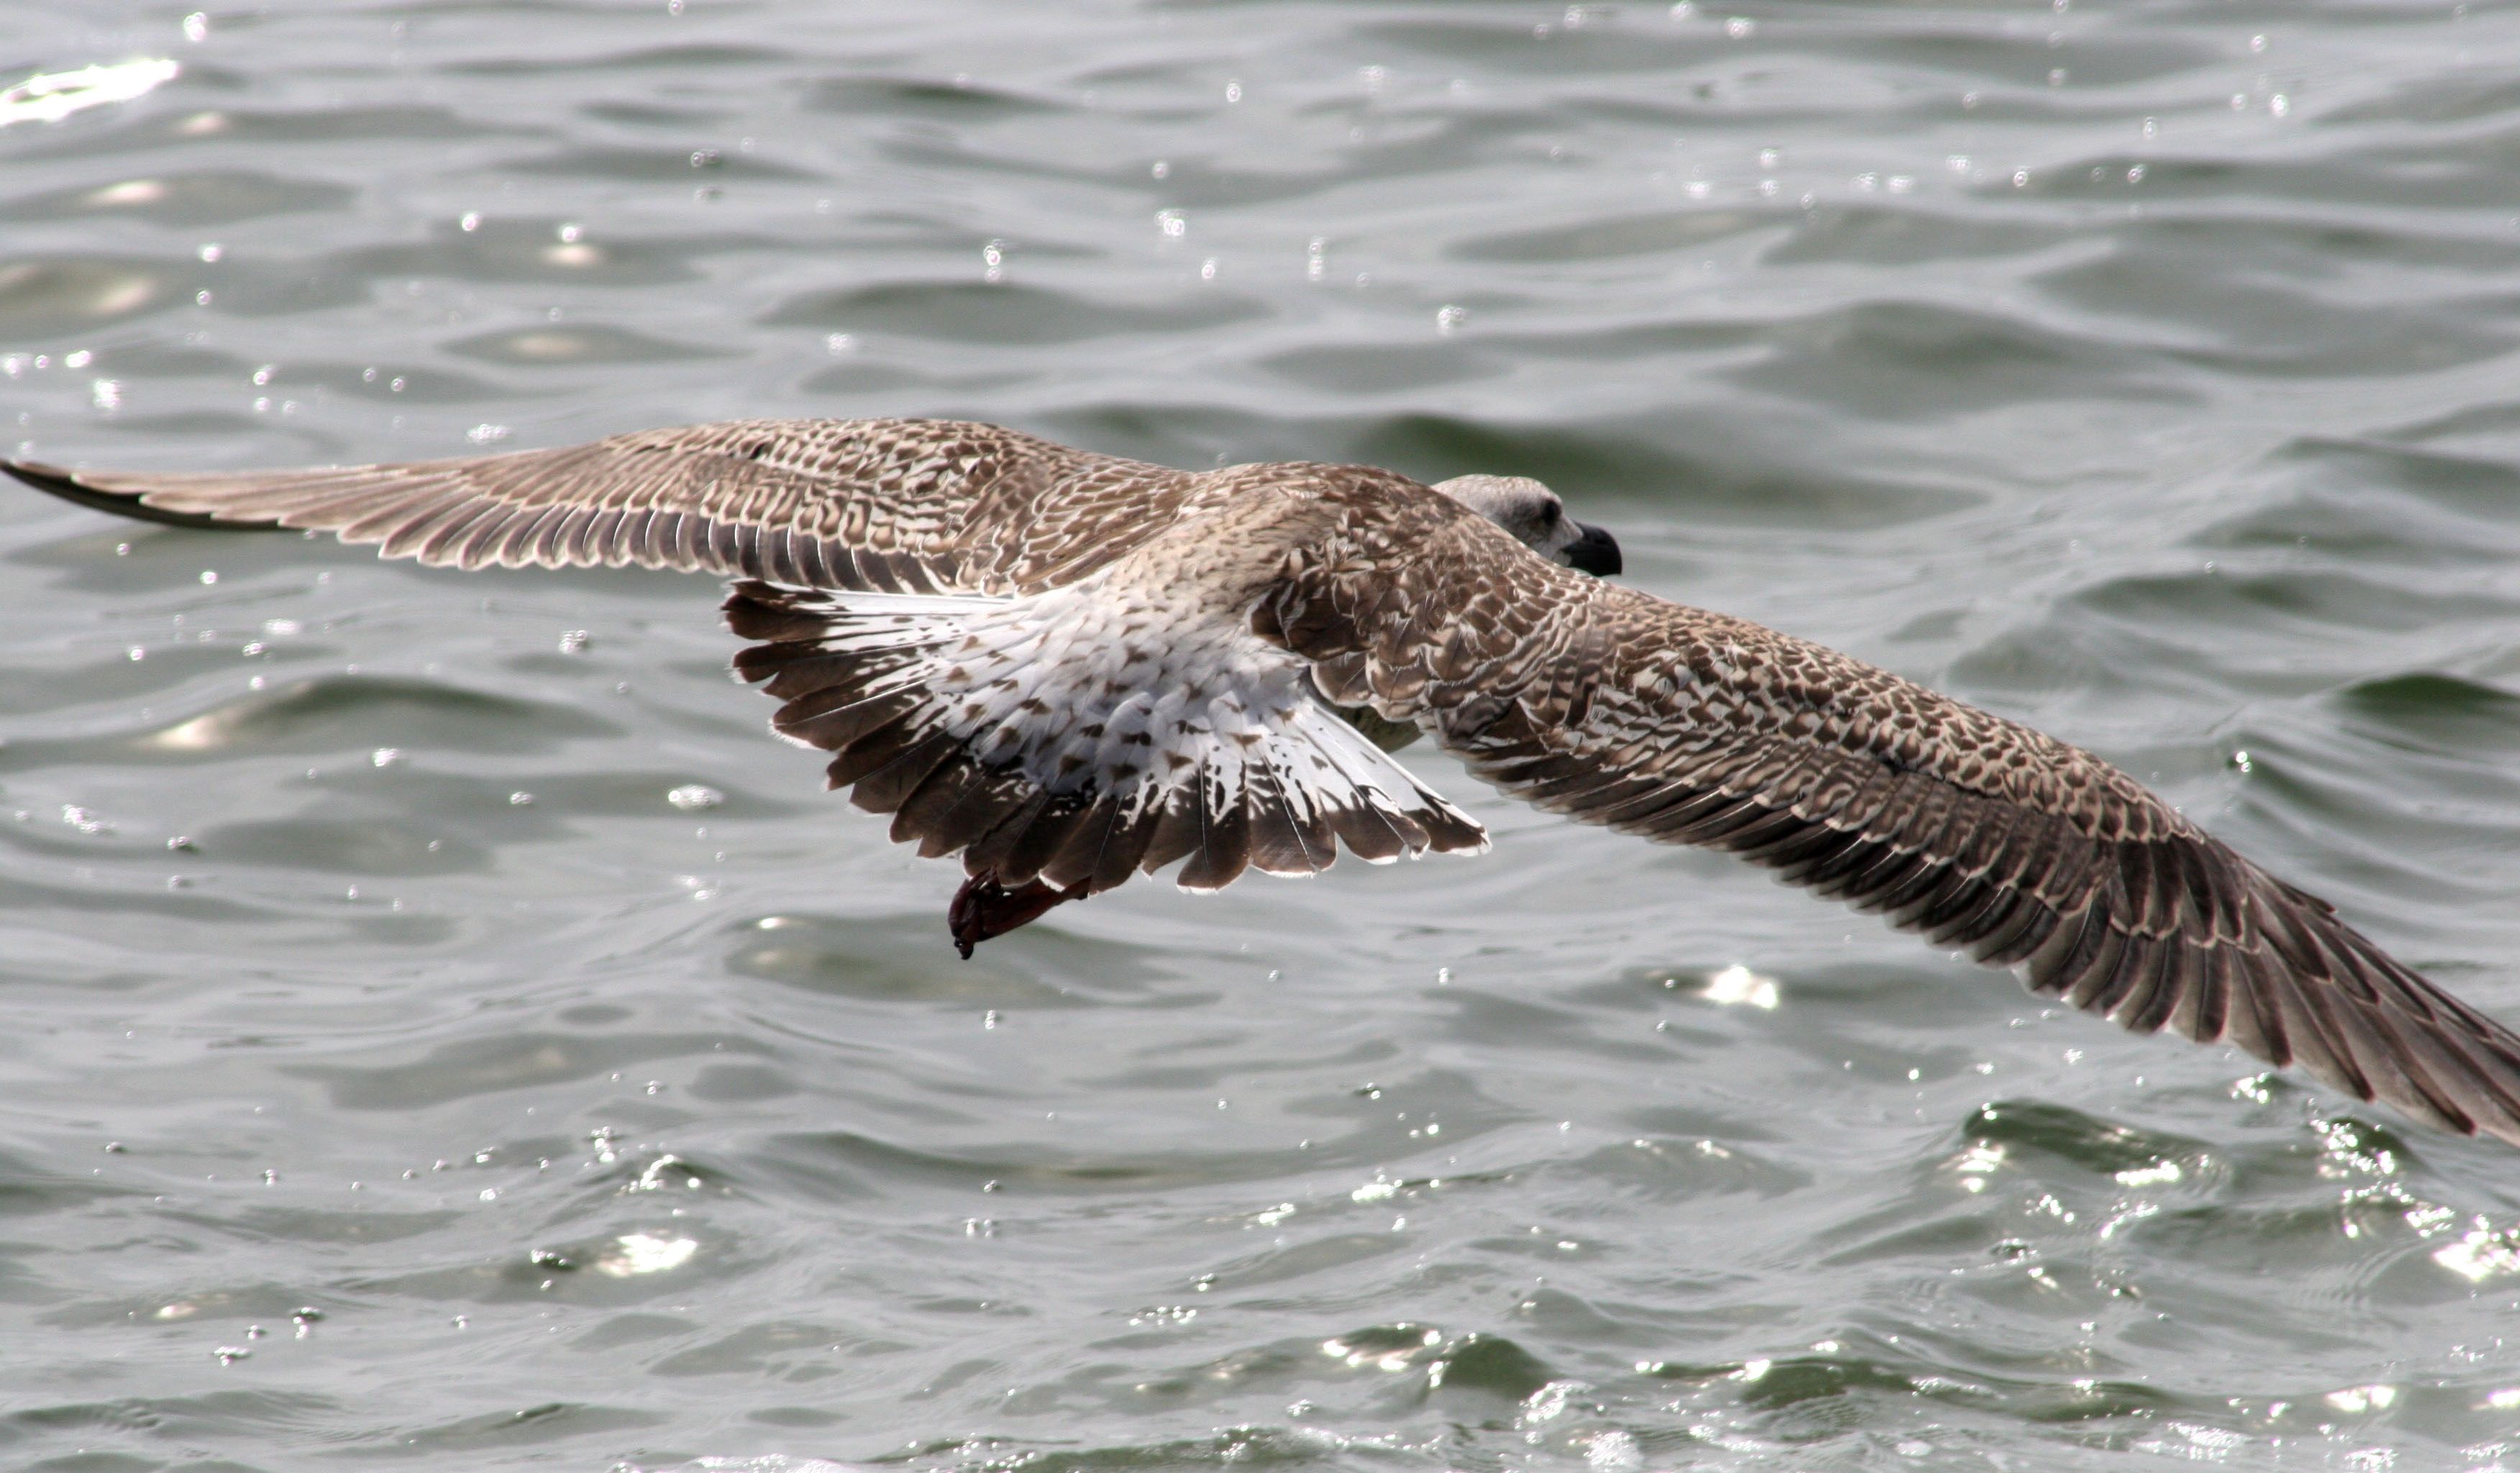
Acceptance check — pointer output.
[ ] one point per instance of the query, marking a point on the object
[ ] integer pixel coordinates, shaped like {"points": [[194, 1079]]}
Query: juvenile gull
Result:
{"points": [[1068, 668]]}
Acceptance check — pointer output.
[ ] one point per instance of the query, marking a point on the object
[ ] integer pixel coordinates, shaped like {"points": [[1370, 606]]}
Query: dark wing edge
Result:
{"points": [[1619, 709], [870, 505], [73, 486]]}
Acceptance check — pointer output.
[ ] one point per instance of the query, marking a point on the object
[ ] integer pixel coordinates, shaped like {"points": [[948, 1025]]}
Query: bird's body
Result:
{"points": [[1070, 668]]}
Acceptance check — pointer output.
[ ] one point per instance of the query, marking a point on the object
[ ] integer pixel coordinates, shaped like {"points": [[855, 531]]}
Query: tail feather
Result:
{"points": [[1051, 739]]}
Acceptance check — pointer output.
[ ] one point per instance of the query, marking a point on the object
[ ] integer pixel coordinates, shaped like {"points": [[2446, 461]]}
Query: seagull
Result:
{"points": [[1070, 668]]}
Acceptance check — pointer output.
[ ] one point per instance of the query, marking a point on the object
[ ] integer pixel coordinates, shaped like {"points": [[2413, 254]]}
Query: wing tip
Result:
{"points": [[81, 489], [43, 475]]}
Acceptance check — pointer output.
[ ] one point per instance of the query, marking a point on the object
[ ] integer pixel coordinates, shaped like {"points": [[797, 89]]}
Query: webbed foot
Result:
{"points": [[983, 909]]}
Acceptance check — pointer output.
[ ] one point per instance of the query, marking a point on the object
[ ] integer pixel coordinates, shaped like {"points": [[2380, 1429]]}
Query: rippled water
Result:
{"points": [[395, 1069]]}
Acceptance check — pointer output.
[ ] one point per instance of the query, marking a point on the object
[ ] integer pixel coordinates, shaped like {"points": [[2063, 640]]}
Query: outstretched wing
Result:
{"points": [[1617, 709], [886, 506]]}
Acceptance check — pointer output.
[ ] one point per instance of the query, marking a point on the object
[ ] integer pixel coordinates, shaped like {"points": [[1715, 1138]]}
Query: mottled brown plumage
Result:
{"points": [[1114, 666], [871, 506]]}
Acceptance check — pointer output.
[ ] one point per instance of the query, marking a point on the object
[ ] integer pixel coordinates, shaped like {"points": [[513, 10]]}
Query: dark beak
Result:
{"points": [[1595, 551]]}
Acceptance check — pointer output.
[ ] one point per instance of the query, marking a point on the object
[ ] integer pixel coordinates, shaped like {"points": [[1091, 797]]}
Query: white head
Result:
{"points": [[1534, 515]]}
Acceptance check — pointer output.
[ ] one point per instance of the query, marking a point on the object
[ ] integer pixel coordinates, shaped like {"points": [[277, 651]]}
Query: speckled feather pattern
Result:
{"points": [[1095, 666], [1083, 733], [1615, 707], [885, 505]]}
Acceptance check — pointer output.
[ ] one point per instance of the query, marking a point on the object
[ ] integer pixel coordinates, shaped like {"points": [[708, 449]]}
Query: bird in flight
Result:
{"points": [[1070, 668]]}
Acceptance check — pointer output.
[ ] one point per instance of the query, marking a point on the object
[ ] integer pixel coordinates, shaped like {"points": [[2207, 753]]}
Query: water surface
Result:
{"points": [[397, 1071]]}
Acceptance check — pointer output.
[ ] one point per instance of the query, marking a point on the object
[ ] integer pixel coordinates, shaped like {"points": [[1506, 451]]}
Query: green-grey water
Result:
{"points": [[444, 1030]]}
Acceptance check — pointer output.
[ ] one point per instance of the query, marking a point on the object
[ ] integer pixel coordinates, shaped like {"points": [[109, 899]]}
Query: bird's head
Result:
{"points": [[1533, 515]]}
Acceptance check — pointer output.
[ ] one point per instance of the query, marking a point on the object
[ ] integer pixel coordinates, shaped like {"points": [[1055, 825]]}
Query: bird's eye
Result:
{"points": [[1548, 516]]}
